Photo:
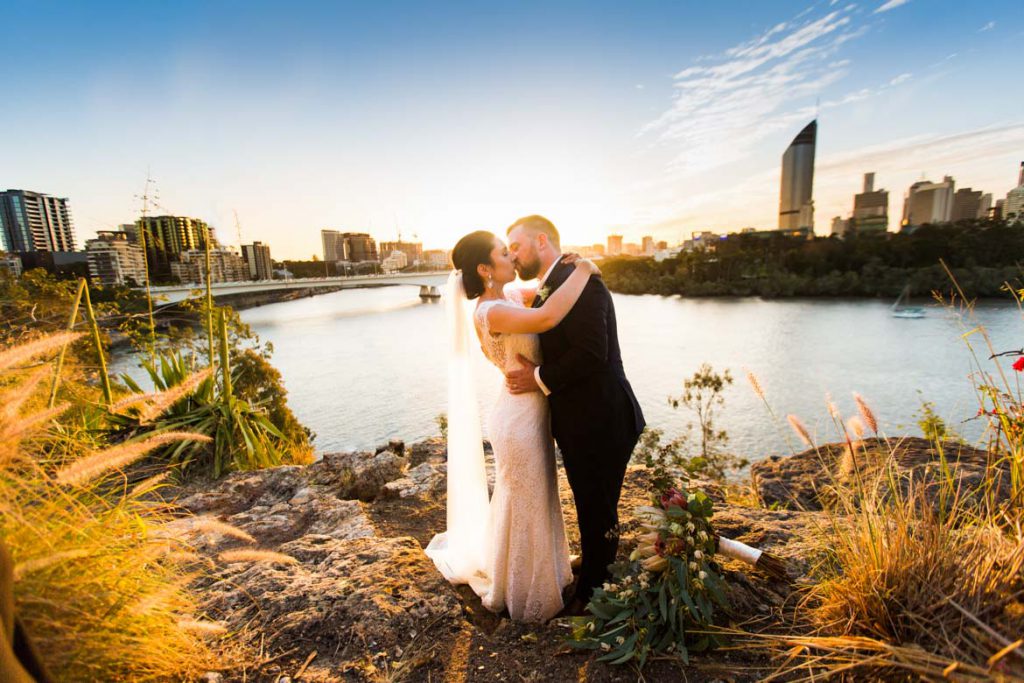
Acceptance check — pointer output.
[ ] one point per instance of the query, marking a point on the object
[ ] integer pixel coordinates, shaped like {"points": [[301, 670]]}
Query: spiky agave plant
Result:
{"points": [[242, 437]]}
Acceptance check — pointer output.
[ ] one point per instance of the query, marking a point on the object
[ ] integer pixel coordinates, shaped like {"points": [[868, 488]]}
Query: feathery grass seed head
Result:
{"points": [[16, 355], [855, 425], [209, 525], [91, 466], [147, 485], [269, 556], [29, 566], [755, 385], [800, 429], [865, 412]]}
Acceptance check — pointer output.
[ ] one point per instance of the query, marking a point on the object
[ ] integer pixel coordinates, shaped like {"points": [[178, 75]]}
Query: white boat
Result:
{"points": [[901, 311]]}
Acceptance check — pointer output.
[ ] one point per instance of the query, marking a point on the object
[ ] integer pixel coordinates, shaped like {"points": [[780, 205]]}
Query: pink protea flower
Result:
{"points": [[673, 497]]}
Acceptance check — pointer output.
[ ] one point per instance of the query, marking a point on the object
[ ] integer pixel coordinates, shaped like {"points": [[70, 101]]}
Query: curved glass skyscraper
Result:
{"points": [[796, 198]]}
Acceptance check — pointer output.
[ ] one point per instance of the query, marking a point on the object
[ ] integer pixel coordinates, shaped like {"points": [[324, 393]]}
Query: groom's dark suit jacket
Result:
{"points": [[592, 403]]}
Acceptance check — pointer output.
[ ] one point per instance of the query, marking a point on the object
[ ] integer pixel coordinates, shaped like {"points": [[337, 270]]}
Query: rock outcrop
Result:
{"points": [[352, 596], [812, 479]]}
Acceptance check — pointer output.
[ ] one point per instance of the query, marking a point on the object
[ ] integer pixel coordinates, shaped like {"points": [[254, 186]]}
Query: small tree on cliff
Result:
{"points": [[702, 394]]}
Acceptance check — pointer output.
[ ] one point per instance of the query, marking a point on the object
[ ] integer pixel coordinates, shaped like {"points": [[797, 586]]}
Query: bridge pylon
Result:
{"points": [[429, 293]]}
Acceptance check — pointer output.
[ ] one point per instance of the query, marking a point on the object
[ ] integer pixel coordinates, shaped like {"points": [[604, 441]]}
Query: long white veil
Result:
{"points": [[460, 552]]}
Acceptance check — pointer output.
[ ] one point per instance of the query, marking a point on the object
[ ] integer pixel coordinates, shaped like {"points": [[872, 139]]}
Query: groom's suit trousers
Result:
{"points": [[595, 472]]}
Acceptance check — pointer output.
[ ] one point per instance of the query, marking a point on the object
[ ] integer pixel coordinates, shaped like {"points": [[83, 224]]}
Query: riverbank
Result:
{"points": [[354, 598], [676, 278], [975, 257]]}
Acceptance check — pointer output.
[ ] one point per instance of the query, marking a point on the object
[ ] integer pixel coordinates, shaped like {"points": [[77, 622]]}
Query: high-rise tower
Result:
{"points": [[870, 208], [928, 202], [33, 221], [1013, 207], [796, 195]]}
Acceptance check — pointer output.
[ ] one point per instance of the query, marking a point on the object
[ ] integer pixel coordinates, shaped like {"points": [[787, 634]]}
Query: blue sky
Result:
{"points": [[437, 119]]}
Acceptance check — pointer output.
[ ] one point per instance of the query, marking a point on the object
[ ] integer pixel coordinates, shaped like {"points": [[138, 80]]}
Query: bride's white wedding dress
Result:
{"points": [[525, 561]]}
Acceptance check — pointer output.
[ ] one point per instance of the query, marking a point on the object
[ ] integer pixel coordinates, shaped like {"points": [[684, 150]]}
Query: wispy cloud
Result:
{"points": [[949, 57], [723, 106], [941, 153], [892, 4], [902, 78], [987, 27]]}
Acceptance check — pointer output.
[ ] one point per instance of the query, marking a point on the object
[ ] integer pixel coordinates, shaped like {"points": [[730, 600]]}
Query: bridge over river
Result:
{"points": [[428, 284]]}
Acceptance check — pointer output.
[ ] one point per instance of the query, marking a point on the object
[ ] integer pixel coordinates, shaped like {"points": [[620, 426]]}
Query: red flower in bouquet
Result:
{"points": [[659, 546], [675, 546], [673, 497], [1018, 364]]}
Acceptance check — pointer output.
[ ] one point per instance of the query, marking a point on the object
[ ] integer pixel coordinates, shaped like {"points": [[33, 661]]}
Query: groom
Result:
{"points": [[595, 418]]}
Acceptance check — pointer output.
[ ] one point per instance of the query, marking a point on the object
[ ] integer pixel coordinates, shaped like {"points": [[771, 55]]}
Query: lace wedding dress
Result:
{"points": [[525, 561]]}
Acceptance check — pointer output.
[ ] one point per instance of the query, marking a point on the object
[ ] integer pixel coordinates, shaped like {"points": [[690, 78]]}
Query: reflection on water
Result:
{"points": [[362, 366]]}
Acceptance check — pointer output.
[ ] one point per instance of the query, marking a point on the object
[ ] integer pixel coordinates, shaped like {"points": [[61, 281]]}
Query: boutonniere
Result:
{"points": [[543, 293]]}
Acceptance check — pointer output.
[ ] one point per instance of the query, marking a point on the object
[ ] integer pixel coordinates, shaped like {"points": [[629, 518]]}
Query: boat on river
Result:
{"points": [[899, 310]]}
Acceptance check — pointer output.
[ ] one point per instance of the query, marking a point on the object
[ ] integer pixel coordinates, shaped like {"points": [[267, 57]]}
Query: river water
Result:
{"points": [[363, 366]]}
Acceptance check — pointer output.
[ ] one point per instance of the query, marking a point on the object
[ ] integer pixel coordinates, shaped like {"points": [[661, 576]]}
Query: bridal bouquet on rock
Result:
{"points": [[663, 599]]}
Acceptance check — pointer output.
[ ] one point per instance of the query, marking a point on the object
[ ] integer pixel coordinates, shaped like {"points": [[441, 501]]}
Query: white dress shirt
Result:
{"points": [[540, 285]]}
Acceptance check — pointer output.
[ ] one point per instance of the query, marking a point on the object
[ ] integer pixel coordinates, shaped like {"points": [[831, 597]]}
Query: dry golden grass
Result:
{"points": [[902, 572], [807, 658], [87, 556], [911, 580]]}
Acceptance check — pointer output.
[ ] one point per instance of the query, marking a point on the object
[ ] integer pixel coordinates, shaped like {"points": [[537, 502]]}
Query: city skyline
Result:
{"points": [[661, 121]]}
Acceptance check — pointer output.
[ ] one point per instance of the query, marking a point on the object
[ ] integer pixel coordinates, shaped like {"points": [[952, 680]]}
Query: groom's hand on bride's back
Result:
{"points": [[523, 380], [570, 257]]}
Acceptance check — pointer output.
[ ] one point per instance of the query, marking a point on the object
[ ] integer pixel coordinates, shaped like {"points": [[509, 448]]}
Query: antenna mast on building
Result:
{"points": [[140, 235], [147, 197]]}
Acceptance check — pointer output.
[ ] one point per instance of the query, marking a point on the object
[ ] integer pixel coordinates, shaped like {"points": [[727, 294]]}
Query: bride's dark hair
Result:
{"points": [[469, 252]]}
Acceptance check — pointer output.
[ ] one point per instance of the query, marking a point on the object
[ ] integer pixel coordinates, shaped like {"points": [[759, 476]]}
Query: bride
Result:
{"points": [[512, 550]]}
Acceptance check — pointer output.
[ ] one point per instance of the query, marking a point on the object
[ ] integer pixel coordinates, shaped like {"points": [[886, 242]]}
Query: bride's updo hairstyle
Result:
{"points": [[471, 251]]}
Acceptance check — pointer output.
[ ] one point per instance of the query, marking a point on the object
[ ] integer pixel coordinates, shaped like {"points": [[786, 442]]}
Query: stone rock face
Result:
{"points": [[358, 475], [434, 449], [424, 479], [350, 590], [811, 480]]}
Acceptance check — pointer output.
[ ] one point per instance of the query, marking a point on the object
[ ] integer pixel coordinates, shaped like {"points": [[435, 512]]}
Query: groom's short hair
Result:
{"points": [[539, 224]]}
